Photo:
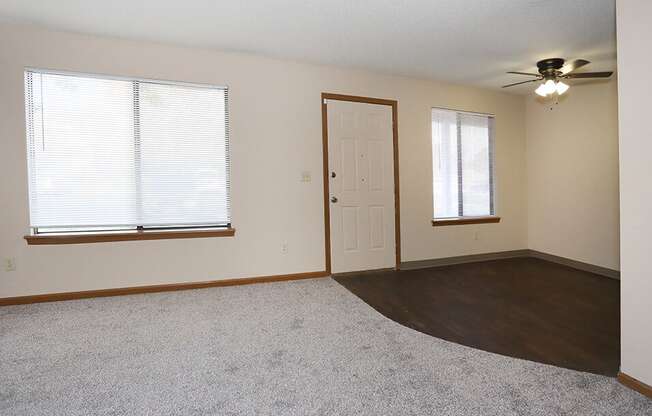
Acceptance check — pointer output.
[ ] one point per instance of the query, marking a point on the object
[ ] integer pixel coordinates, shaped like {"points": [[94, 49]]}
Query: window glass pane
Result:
{"points": [[112, 154], [445, 168], [80, 151], [183, 152], [462, 151], [475, 165]]}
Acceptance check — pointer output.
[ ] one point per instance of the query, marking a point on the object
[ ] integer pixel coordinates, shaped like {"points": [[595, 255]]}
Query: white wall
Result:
{"points": [[276, 134], [635, 90], [572, 171]]}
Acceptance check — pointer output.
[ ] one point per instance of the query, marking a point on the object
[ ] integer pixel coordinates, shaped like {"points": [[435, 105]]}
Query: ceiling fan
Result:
{"points": [[552, 71]]}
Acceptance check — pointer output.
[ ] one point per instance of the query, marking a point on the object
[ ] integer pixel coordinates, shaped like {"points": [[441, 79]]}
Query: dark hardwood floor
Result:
{"points": [[522, 307]]}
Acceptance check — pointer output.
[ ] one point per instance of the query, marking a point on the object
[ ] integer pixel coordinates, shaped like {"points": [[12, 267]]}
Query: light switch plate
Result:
{"points": [[10, 264], [306, 176]]}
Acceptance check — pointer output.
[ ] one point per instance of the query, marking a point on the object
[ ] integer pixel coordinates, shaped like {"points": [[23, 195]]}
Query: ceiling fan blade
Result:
{"points": [[572, 66], [524, 73], [605, 74], [519, 83]]}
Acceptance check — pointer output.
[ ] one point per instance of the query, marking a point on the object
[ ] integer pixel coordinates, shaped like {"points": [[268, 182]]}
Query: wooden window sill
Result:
{"points": [[126, 236], [465, 220]]}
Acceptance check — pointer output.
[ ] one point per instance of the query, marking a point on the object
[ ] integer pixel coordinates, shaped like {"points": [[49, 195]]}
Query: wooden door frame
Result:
{"points": [[324, 131]]}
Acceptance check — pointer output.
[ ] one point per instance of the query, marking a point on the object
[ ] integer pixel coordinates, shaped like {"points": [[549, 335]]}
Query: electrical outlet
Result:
{"points": [[284, 248], [306, 176], [10, 264]]}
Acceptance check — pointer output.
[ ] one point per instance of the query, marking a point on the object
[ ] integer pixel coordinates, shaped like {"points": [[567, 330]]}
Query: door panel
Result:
{"points": [[350, 228], [376, 165], [376, 227], [349, 170], [360, 154]]}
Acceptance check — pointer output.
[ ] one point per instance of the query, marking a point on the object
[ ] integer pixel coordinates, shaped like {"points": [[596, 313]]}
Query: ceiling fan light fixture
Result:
{"points": [[551, 70], [550, 87], [561, 88], [541, 90]]}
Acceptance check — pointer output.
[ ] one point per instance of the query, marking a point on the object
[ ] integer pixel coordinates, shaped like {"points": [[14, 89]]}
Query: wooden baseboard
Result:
{"points": [[634, 384], [447, 261], [472, 258], [358, 273], [410, 265], [575, 264], [54, 297]]}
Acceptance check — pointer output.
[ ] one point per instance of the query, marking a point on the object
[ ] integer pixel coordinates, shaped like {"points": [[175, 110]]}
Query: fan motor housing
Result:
{"points": [[550, 67]]}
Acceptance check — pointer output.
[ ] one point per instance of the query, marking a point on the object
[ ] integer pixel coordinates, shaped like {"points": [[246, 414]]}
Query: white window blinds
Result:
{"points": [[462, 150], [111, 153]]}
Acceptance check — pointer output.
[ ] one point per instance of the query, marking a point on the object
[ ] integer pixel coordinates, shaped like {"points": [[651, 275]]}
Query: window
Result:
{"points": [[463, 179], [118, 154]]}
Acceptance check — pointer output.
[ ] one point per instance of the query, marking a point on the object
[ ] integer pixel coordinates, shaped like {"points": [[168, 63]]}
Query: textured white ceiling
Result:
{"points": [[462, 41]]}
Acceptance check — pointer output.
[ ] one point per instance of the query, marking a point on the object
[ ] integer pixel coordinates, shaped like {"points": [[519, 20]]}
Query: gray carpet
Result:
{"points": [[297, 348]]}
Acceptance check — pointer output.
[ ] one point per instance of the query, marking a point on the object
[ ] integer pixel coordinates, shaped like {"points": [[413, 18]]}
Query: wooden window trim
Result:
{"points": [[39, 239], [437, 222]]}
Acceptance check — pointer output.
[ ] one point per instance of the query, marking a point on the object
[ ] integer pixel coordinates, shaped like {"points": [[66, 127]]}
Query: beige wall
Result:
{"points": [[276, 134], [635, 89], [572, 174]]}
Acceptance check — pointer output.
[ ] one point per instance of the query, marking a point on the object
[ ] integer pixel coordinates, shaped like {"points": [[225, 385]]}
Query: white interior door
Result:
{"points": [[361, 182]]}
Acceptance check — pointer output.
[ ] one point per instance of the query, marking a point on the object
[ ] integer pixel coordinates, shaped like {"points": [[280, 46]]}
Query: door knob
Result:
{"points": [[333, 174], [333, 199]]}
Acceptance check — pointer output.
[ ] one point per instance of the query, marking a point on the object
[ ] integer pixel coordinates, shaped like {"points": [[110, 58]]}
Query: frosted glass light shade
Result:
{"points": [[541, 90], [550, 86], [561, 88]]}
